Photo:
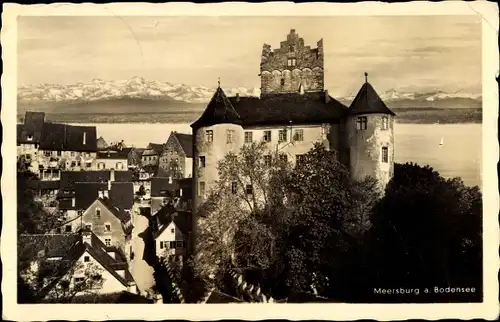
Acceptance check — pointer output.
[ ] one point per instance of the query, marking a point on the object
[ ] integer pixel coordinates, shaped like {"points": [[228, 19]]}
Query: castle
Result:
{"points": [[295, 107]]}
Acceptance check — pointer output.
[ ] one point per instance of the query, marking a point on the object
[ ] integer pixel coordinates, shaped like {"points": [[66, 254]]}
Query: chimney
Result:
{"points": [[87, 237], [327, 97], [237, 97], [100, 194], [112, 175], [84, 138], [180, 192], [170, 179], [73, 202], [106, 193]]}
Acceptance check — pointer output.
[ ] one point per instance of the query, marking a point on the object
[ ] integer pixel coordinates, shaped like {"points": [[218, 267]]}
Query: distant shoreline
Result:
{"points": [[403, 116]]}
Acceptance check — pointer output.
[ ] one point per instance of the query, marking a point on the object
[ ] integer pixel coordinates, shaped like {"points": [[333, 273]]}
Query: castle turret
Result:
{"points": [[217, 132], [370, 136], [285, 69]]}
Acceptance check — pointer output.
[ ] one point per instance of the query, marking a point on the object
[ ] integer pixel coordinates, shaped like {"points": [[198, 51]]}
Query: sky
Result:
{"points": [[405, 53]]}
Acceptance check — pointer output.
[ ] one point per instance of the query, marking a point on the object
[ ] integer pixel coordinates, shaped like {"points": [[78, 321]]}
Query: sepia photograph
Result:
{"points": [[274, 159]]}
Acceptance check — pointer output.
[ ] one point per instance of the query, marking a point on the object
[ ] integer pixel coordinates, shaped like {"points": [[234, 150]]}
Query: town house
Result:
{"points": [[171, 233], [177, 156], [151, 154], [116, 159]]}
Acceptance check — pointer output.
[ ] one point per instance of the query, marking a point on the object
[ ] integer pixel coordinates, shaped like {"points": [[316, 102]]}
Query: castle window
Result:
{"points": [[202, 161], [298, 135], [361, 123], [385, 123], [230, 136], [282, 82], [248, 137], [267, 160], [267, 136], [292, 62], [385, 154], [282, 136], [209, 134], [234, 187], [201, 190], [249, 189]]}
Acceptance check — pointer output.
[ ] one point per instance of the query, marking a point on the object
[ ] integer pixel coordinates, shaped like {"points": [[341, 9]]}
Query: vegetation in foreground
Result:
{"points": [[313, 230]]}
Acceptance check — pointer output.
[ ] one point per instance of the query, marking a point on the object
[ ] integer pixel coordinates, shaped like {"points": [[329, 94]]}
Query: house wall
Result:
{"points": [[188, 167], [116, 234], [365, 148], [67, 160], [173, 155], [308, 68], [166, 237], [108, 164], [148, 158]]}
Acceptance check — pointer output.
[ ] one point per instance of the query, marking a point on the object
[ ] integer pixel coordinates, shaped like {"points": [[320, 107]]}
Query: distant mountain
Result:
{"points": [[138, 88]]}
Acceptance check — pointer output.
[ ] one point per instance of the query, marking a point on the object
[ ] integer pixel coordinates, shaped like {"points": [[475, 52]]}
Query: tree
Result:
{"points": [[291, 225], [427, 230]]}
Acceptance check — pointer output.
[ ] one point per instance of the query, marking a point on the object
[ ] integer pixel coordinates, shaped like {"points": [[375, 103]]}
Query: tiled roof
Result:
{"points": [[166, 215], [186, 143], [54, 245], [65, 137], [277, 109], [157, 148], [219, 110], [161, 187], [122, 194], [122, 215], [33, 123], [114, 154], [97, 250], [87, 192], [367, 101], [69, 178]]}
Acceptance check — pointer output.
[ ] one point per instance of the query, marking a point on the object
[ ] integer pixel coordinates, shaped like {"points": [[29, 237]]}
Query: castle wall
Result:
{"points": [[284, 69], [365, 148]]}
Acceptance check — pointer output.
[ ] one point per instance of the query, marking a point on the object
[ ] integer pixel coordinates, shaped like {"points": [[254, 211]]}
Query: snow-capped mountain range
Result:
{"points": [[139, 88]]}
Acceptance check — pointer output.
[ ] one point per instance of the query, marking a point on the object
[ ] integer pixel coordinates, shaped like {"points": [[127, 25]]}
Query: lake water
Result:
{"points": [[459, 156]]}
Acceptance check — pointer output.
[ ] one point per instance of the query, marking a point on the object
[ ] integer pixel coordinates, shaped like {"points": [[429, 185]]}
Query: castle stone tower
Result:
{"points": [[216, 133], [370, 136], [292, 68]]}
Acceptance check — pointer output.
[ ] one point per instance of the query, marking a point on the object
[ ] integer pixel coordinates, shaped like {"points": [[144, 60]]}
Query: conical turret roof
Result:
{"points": [[367, 101], [219, 110]]}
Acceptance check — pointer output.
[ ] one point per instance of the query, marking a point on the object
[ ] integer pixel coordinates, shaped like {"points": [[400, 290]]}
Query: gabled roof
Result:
{"points": [[53, 245], [87, 192], [157, 148], [97, 250], [167, 215], [122, 194], [114, 154], [122, 215], [186, 143], [281, 109], [367, 101], [162, 187], [219, 110], [64, 137]]}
